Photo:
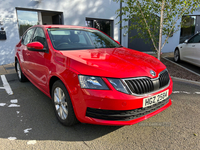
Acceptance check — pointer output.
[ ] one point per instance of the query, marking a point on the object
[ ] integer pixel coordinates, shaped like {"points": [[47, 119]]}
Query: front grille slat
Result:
{"points": [[142, 86], [135, 86], [146, 85], [130, 86]]}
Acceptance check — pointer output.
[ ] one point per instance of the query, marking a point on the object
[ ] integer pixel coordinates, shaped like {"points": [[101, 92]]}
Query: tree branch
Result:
{"points": [[181, 14], [147, 26]]}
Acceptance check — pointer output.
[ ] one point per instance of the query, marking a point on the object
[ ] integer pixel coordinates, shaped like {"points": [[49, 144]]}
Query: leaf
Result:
{"points": [[195, 134]]}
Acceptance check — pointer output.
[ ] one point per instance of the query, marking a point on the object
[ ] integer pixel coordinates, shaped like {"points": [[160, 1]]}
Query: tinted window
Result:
{"points": [[23, 38], [195, 39], [74, 39], [28, 37], [39, 36]]}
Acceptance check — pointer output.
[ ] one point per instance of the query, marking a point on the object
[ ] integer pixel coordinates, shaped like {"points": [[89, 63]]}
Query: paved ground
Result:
{"points": [[7, 69], [28, 122]]}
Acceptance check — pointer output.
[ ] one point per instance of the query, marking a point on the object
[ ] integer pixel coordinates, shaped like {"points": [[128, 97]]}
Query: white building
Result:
{"points": [[17, 15]]}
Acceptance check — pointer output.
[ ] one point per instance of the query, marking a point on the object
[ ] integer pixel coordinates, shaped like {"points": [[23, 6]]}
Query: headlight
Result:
{"points": [[90, 82], [118, 85]]}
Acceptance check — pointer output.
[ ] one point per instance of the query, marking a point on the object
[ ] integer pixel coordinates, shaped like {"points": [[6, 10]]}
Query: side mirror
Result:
{"points": [[186, 41], [36, 46], [117, 42]]}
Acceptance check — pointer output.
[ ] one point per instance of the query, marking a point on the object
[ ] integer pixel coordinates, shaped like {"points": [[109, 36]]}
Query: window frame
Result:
{"points": [[45, 46], [31, 35], [189, 41]]}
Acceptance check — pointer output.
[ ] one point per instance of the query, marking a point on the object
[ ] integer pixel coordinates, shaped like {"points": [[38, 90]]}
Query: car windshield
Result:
{"points": [[76, 39]]}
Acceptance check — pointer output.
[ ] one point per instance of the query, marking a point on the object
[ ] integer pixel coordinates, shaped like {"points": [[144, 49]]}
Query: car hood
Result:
{"points": [[113, 62]]}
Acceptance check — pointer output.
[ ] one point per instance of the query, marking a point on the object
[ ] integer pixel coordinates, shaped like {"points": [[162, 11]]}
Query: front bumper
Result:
{"points": [[111, 107]]}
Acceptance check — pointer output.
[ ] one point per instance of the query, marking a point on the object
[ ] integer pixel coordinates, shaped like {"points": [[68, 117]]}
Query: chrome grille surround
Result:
{"points": [[140, 86]]}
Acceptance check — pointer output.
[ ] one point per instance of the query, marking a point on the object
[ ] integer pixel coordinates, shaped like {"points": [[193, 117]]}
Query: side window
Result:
{"points": [[28, 36], [82, 39], [195, 39], [39, 36], [23, 38]]}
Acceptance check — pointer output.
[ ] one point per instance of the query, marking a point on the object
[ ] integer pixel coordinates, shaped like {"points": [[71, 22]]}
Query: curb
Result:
{"points": [[185, 80], [181, 67]]}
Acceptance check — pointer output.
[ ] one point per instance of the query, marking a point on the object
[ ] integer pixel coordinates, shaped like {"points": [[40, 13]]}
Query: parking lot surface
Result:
{"points": [[28, 122]]}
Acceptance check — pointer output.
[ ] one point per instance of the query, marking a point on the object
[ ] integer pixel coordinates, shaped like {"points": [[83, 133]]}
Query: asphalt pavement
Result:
{"points": [[28, 122]]}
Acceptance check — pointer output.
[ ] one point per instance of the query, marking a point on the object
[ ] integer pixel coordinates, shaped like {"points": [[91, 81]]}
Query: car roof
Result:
{"points": [[64, 26]]}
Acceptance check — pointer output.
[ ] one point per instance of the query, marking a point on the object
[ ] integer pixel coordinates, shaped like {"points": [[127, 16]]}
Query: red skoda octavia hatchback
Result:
{"points": [[90, 77]]}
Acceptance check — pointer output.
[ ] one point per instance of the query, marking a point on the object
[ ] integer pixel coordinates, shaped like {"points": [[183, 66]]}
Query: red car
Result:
{"points": [[90, 77]]}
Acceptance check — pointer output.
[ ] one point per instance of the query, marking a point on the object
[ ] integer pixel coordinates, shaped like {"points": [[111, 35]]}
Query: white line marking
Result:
{"points": [[196, 92], [2, 104], [14, 105], [27, 130], [12, 138], [14, 101], [18, 112], [176, 92], [31, 142], [6, 85], [184, 92]]}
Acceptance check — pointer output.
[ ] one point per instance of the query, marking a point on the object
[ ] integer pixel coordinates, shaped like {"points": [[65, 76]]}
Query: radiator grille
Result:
{"points": [[146, 85]]}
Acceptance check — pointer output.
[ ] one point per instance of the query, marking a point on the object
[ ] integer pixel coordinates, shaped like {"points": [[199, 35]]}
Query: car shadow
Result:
{"points": [[32, 117]]}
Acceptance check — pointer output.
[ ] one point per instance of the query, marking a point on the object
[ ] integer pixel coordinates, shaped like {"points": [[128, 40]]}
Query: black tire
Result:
{"points": [[62, 104], [20, 75], [176, 55]]}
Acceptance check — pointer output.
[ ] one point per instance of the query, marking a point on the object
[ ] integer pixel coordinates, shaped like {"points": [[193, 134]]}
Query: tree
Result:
{"points": [[156, 19]]}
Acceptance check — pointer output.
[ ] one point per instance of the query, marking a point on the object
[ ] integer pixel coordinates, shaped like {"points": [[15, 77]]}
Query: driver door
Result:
{"points": [[37, 61]]}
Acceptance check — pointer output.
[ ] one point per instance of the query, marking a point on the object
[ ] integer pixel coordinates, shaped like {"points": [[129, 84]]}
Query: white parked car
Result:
{"points": [[189, 51]]}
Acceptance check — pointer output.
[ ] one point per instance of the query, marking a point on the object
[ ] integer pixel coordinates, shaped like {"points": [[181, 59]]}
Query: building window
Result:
{"points": [[26, 19], [103, 25], [188, 26], [30, 17]]}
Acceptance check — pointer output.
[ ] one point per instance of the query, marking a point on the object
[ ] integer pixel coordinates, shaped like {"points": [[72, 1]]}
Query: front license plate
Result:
{"points": [[155, 99]]}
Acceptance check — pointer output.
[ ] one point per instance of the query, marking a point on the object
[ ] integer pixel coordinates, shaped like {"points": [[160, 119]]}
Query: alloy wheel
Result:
{"points": [[176, 56], [60, 103]]}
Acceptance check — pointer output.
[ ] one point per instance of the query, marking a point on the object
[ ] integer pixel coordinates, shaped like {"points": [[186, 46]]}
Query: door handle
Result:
{"points": [[193, 45]]}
